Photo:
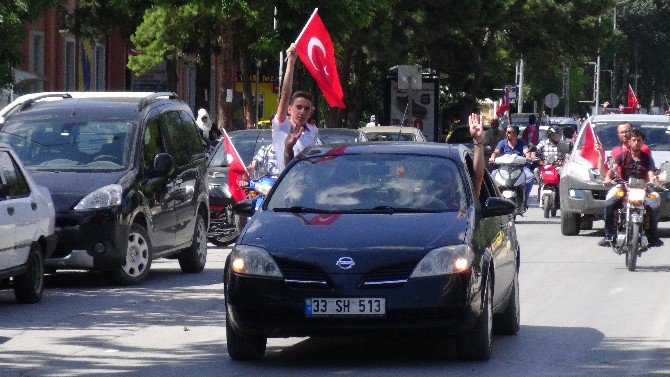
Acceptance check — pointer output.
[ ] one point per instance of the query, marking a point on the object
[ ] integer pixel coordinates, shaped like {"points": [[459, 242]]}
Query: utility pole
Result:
{"points": [[614, 61], [566, 89], [519, 82]]}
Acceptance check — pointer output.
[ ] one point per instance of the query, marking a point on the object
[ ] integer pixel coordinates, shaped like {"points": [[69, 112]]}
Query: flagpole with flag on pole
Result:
{"points": [[236, 168]]}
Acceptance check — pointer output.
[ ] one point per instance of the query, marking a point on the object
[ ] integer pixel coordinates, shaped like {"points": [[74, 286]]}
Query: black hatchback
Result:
{"points": [[128, 179], [375, 238]]}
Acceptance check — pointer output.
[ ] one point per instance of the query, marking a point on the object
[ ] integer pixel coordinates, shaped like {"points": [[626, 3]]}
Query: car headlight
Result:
{"points": [[108, 196], [444, 260], [250, 260], [576, 171]]}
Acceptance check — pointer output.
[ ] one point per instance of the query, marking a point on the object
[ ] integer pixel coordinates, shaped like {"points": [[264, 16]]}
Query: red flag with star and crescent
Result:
{"points": [[589, 151], [316, 51], [236, 168]]}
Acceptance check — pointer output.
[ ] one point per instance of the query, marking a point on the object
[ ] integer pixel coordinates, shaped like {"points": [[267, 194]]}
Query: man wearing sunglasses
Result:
{"points": [[513, 145], [292, 134]]}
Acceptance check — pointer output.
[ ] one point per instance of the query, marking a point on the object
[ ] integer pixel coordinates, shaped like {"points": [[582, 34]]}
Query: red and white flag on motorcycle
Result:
{"points": [[589, 151], [316, 51], [236, 169]]}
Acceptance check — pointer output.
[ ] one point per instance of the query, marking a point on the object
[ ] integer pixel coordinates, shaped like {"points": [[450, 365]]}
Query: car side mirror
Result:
{"points": [[163, 164], [496, 206], [246, 207]]}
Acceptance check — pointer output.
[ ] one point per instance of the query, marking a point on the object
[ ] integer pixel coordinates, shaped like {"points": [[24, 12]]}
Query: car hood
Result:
{"points": [[68, 188], [370, 239]]}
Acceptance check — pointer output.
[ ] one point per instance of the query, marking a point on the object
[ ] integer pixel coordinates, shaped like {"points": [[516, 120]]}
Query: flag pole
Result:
{"points": [[306, 24]]}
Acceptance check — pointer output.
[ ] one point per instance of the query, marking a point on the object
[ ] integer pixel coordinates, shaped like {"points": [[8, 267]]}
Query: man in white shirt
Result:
{"points": [[290, 131]]}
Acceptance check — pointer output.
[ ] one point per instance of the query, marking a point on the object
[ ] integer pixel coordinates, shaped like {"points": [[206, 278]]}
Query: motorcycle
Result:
{"points": [[511, 180], [632, 220], [259, 189], [222, 230], [549, 183]]}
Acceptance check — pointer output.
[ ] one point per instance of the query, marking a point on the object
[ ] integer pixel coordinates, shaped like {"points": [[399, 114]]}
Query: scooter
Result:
{"points": [[259, 189], [549, 183], [222, 231], [511, 180]]}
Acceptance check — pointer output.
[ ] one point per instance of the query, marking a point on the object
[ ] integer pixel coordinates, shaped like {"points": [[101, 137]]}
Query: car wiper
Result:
{"points": [[301, 209], [390, 209]]}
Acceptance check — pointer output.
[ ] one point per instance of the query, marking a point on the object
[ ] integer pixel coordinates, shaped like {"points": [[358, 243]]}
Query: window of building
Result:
{"points": [[69, 76], [36, 58], [99, 67]]}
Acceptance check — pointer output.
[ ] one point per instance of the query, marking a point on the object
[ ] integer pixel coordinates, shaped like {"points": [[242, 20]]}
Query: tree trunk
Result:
{"points": [[171, 72], [202, 79], [335, 114], [226, 76], [247, 98], [357, 89]]}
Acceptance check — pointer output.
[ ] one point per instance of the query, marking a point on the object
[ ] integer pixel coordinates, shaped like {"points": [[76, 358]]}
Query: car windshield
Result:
{"points": [[368, 183], [657, 134], [85, 146], [390, 136], [247, 144], [338, 137]]}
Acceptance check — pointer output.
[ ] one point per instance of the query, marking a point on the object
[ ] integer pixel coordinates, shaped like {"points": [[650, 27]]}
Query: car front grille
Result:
{"points": [[303, 275], [599, 194], [388, 276]]}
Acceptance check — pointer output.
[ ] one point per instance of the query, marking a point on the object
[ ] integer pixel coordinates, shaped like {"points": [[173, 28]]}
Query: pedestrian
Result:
{"points": [[531, 134], [291, 132], [373, 121], [208, 131]]}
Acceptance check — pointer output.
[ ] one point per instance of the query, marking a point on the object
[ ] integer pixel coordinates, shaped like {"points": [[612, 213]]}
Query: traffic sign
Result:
{"points": [[551, 100]]}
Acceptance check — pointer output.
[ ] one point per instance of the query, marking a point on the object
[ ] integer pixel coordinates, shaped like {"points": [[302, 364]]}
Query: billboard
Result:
{"points": [[416, 108]]}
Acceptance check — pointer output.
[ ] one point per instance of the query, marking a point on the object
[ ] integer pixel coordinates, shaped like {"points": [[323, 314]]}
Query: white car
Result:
{"points": [[393, 133], [27, 218]]}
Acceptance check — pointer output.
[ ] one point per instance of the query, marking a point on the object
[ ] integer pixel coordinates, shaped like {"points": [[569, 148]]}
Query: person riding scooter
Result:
{"points": [[548, 149], [513, 145], [550, 157]]}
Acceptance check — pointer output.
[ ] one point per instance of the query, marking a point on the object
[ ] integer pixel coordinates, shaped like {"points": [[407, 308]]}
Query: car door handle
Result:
{"points": [[33, 205], [10, 210]]}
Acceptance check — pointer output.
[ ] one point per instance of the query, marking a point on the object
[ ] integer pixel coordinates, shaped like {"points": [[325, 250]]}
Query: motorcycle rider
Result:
{"points": [[632, 162], [513, 145], [624, 132], [548, 148]]}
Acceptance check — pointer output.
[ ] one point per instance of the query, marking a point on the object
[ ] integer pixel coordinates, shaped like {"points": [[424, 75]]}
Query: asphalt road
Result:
{"points": [[583, 313]]}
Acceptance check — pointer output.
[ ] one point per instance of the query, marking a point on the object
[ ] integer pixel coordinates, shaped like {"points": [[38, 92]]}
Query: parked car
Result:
{"points": [[461, 135], [128, 177], [26, 229], [393, 133], [341, 135], [582, 191], [365, 239]]}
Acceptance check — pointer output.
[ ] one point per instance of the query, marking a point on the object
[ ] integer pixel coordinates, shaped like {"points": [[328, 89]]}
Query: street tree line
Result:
{"points": [[473, 45]]}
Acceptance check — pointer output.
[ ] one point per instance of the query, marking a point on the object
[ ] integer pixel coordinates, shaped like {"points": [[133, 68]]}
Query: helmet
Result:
{"points": [[551, 131]]}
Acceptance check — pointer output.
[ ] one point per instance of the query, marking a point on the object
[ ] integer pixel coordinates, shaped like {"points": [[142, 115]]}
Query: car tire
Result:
{"points": [[137, 264], [569, 223], [509, 321], [244, 347], [28, 286], [476, 345], [193, 258]]}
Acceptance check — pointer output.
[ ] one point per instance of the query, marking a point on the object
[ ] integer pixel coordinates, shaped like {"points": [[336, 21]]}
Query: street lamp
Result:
{"points": [[596, 84]]}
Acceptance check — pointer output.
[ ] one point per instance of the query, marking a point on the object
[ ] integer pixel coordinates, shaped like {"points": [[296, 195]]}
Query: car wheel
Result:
{"points": [[476, 345], [28, 287], [569, 223], [193, 258], [137, 264], [508, 322], [244, 347]]}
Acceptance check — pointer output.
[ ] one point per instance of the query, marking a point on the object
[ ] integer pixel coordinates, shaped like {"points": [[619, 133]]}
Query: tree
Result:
{"points": [[12, 15]]}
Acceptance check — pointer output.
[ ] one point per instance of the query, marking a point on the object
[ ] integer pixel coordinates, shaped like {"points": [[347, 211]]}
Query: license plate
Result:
{"points": [[357, 306]]}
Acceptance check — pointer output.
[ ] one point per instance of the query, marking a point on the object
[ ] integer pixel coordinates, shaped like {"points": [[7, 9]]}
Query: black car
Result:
{"points": [[127, 176], [368, 238]]}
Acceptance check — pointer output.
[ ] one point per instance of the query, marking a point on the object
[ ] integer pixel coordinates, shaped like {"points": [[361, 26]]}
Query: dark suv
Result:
{"points": [[128, 178]]}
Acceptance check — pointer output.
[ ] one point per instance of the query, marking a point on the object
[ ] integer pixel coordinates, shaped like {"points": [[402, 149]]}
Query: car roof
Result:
{"points": [[54, 96], [630, 118], [396, 129], [453, 151], [338, 130], [84, 109]]}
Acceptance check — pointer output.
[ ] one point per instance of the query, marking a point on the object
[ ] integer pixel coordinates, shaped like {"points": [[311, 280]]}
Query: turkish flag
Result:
{"points": [[236, 169], [316, 51], [324, 219], [589, 151], [632, 98]]}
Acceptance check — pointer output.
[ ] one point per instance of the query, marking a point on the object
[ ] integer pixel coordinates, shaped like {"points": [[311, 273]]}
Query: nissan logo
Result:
{"points": [[345, 263]]}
